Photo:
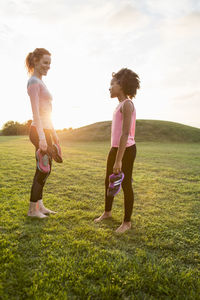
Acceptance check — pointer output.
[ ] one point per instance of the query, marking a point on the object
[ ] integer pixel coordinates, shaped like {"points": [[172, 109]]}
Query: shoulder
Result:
{"points": [[33, 80], [128, 106]]}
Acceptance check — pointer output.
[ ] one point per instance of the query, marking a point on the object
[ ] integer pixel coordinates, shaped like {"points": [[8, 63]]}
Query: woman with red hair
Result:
{"points": [[42, 133]]}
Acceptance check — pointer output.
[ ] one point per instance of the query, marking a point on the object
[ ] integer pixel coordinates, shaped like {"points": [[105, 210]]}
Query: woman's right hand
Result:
{"points": [[43, 145]]}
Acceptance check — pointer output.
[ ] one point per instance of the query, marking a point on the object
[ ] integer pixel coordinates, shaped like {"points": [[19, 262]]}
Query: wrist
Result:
{"points": [[42, 140], [118, 161]]}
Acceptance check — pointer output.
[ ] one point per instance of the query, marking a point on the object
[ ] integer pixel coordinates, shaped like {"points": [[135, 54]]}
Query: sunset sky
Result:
{"points": [[158, 39]]}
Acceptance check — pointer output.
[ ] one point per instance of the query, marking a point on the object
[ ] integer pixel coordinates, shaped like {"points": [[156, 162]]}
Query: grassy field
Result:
{"points": [[67, 256]]}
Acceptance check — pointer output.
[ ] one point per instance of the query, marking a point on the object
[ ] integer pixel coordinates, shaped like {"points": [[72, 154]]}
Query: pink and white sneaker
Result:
{"points": [[42, 161]]}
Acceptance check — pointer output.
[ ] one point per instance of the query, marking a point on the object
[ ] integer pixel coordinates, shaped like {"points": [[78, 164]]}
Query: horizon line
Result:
{"points": [[70, 127]]}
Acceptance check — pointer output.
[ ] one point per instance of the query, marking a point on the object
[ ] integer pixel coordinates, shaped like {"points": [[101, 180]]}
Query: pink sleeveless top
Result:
{"points": [[116, 130]]}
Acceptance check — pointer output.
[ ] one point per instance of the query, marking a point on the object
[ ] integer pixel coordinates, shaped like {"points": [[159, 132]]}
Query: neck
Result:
{"points": [[37, 74], [121, 98]]}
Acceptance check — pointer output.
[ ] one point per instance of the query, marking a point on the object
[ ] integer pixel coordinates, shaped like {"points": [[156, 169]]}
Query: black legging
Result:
{"points": [[127, 168], [39, 178]]}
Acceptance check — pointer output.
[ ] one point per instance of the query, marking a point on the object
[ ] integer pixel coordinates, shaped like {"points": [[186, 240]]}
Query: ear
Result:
{"points": [[118, 82], [35, 61]]}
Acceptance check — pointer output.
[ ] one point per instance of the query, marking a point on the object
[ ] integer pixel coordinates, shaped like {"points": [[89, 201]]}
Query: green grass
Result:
{"points": [[67, 256]]}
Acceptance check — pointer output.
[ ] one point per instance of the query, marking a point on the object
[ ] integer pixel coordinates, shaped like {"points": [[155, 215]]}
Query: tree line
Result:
{"points": [[16, 128]]}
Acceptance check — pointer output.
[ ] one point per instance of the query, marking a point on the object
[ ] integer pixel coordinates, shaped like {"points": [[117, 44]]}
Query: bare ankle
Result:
{"points": [[107, 213], [124, 227], [128, 223]]}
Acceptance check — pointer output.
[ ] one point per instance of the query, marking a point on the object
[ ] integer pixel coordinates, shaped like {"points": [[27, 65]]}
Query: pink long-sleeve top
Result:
{"points": [[41, 102]]}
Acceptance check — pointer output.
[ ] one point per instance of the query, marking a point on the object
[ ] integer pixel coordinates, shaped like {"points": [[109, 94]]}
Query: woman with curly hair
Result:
{"points": [[124, 85], [42, 133]]}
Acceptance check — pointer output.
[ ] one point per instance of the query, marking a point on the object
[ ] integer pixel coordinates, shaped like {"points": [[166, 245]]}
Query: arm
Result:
{"points": [[33, 91], [126, 114]]}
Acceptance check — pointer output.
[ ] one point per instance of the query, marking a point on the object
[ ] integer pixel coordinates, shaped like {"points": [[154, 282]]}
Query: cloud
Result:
{"points": [[184, 28], [10, 8], [193, 99], [170, 8], [175, 59], [5, 31], [128, 19], [186, 108]]}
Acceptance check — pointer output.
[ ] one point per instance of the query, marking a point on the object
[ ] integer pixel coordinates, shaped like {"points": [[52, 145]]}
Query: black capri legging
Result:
{"points": [[127, 169], [39, 178]]}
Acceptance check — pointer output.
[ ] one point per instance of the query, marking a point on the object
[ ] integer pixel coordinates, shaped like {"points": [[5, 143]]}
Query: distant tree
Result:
{"points": [[27, 126], [16, 128], [67, 129], [9, 128], [28, 123]]}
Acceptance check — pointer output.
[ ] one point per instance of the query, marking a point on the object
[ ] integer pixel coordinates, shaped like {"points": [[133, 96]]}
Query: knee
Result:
{"points": [[42, 177], [127, 184]]}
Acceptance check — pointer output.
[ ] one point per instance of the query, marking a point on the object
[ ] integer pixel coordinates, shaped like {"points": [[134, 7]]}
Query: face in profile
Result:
{"points": [[43, 65], [115, 88]]}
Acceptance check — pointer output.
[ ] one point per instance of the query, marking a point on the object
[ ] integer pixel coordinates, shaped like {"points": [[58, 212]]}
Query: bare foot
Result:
{"points": [[43, 209], [36, 214], [105, 215], [124, 227], [47, 211]]}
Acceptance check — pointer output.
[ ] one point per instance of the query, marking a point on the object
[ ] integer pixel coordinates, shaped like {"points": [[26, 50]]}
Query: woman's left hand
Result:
{"points": [[117, 167]]}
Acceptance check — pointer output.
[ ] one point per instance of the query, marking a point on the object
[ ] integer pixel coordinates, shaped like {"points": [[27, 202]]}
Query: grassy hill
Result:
{"points": [[146, 130]]}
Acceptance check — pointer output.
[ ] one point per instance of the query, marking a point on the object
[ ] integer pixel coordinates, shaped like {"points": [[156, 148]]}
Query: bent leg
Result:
{"points": [[38, 184]]}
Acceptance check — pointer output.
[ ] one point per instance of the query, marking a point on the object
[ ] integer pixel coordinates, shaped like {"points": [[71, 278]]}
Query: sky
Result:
{"points": [[90, 39]]}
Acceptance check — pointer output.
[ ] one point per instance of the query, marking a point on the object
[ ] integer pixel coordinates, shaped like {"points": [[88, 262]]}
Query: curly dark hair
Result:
{"points": [[36, 55], [128, 80]]}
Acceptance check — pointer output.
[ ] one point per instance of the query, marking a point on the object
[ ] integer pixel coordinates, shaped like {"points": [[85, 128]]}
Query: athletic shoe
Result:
{"points": [[115, 181], [55, 152], [42, 161]]}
